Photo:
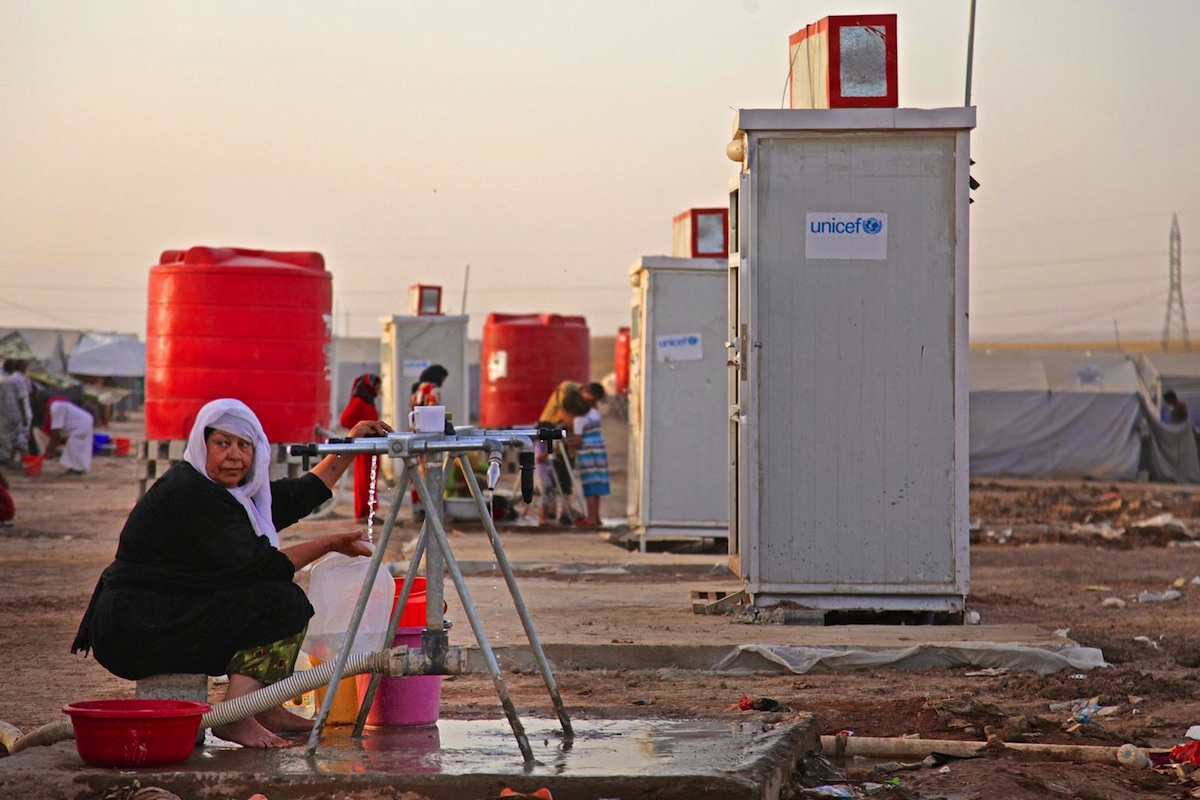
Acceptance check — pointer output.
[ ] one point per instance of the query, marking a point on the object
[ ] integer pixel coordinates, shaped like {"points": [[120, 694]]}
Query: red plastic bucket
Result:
{"points": [[404, 702], [417, 699], [135, 733], [414, 609], [122, 446], [31, 466]]}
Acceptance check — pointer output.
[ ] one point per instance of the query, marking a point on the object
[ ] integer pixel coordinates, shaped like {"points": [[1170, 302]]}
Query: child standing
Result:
{"points": [[592, 458]]}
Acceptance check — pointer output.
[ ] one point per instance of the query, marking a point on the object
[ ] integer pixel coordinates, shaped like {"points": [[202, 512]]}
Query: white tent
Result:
{"points": [[108, 355], [1037, 413], [49, 345]]}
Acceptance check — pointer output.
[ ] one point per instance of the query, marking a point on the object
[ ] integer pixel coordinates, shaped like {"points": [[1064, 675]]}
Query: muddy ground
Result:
{"points": [[1072, 555]]}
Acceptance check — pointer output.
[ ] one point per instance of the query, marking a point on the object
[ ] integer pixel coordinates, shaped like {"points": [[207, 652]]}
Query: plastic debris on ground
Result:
{"points": [[1166, 524], [1159, 597], [897, 766], [1084, 713], [1186, 753], [829, 790], [158, 793], [540, 794], [758, 704]]}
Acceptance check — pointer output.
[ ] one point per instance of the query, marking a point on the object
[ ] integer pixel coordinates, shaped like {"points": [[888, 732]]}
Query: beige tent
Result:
{"points": [[1058, 413]]}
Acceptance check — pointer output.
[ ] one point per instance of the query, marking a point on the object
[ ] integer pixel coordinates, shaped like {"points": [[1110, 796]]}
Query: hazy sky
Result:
{"points": [[549, 144]]}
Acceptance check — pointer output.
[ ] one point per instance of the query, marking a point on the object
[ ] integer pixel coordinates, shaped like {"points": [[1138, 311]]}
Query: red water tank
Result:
{"points": [[621, 361], [523, 358], [249, 324]]}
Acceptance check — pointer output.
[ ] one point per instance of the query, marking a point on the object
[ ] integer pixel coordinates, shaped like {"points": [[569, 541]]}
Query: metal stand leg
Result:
{"points": [[433, 524], [356, 618], [435, 557], [576, 490], [523, 612]]}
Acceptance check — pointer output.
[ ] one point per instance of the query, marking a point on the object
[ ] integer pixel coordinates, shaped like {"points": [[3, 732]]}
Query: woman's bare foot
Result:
{"points": [[280, 720], [248, 733], [260, 730]]}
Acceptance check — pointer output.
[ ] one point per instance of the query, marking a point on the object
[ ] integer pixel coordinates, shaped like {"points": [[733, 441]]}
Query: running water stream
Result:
{"points": [[371, 500]]}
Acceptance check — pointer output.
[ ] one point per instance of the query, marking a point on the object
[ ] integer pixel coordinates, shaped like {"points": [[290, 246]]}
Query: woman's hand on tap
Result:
{"points": [[371, 427]]}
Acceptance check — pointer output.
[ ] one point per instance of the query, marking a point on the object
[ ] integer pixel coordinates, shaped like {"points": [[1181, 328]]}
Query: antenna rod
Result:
{"points": [[970, 51]]}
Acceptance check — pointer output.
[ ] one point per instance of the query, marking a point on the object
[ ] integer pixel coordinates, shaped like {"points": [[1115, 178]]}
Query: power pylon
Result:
{"points": [[1175, 295]]}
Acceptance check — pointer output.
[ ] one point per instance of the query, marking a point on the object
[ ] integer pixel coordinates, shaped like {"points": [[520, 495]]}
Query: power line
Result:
{"points": [[37, 311], [1058, 223], [75, 287], [1073, 286], [1089, 317], [1101, 308], [1061, 261]]}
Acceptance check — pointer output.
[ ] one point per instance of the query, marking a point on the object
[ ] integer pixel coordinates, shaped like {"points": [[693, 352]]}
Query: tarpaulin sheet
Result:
{"points": [[1016, 656]]}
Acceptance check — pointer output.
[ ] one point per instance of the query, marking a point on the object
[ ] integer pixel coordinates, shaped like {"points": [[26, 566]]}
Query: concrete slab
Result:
{"points": [[750, 759]]}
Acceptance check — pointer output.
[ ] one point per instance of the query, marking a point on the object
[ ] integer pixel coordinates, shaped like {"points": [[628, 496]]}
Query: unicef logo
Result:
{"points": [[872, 226], [693, 340]]}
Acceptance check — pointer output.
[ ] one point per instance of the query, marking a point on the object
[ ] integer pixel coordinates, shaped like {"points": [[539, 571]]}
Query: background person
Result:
{"points": [[16, 414], [72, 427], [20, 370], [8, 509], [427, 391], [361, 408], [1177, 410], [553, 412], [199, 583], [554, 415], [591, 460]]}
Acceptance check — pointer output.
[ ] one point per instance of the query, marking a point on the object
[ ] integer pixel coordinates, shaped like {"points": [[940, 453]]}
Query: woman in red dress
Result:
{"points": [[362, 407]]}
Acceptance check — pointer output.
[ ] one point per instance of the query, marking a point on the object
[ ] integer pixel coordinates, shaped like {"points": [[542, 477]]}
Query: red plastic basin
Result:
{"points": [[135, 733]]}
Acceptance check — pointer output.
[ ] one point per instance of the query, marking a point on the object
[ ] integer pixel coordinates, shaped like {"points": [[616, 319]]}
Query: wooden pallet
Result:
{"points": [[717, 601]]}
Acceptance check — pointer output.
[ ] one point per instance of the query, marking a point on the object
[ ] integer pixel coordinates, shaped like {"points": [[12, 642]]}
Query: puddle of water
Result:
{"points": [[456, 747]]}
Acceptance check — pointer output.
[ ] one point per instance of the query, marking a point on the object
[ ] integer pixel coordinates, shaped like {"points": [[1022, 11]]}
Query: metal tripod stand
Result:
{"points": [[435, 547]]}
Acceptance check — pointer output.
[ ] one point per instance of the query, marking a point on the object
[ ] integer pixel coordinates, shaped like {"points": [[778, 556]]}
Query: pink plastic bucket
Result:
{"points": [[412, 701]]}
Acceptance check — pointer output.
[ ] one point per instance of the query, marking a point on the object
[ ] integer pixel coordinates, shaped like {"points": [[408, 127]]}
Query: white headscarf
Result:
{"points": [[235, 417]]}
